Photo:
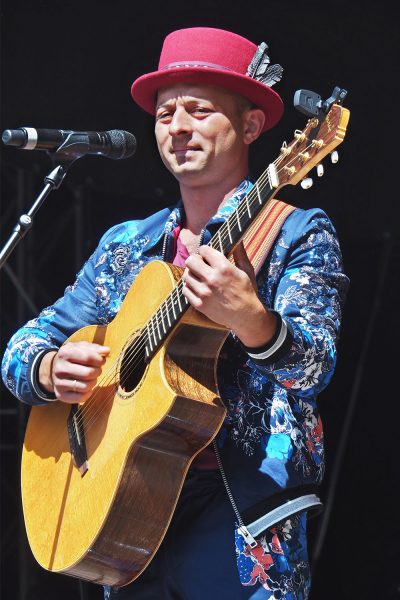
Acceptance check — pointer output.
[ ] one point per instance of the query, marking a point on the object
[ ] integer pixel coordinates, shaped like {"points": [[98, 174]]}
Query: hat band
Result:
{"points": [[197, 63]]}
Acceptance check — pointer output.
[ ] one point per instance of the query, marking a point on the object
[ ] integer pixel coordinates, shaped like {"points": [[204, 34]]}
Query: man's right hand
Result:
{"points": [[72, 372]]}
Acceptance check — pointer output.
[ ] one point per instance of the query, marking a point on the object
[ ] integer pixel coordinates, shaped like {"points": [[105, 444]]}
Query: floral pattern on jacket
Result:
{"points": [[272, 437]]}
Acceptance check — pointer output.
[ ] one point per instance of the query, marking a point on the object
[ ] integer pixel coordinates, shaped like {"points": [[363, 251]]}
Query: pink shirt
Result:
{"points": [[181, 252]]}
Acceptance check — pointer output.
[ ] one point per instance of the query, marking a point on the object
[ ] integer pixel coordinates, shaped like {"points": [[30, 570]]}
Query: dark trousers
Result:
{"points": [[197, 559]]}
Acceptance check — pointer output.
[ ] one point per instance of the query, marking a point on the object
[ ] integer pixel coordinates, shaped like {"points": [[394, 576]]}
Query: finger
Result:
{"points": [[73, 397], [100, 348], [73, 390], [196, 285], [217, 261], [89, 353], [196, 265], [64, 369], [241, 259], [207, 262], [212, 256], [74, 386], [192, 298], [84, 353]]}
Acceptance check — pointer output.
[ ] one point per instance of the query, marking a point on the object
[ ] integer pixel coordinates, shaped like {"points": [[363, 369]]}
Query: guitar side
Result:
{"points": [[106, 525]]}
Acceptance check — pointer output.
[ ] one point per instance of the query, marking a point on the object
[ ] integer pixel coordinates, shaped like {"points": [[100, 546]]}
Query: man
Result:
{"points": [[211, 101]]}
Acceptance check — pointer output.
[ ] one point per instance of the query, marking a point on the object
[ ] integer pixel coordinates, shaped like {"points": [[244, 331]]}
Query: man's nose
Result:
{"points": [[180, 122]]}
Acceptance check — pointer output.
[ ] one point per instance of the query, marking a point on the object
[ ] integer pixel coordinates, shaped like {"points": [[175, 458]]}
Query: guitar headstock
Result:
{"points": [[319, 138]]}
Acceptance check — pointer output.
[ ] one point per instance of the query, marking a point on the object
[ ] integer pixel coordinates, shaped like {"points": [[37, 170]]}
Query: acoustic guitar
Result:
{"points": [[100, 481]]}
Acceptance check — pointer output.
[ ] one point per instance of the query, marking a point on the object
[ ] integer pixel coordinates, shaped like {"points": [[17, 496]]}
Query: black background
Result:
{"points": [[69, 64]]}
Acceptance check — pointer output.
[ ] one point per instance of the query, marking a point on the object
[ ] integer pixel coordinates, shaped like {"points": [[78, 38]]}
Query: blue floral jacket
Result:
{"points": [[272, 438]]}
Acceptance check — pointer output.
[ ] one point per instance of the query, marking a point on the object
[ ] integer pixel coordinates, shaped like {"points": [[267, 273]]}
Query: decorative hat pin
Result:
{"points": [[260, 67]]}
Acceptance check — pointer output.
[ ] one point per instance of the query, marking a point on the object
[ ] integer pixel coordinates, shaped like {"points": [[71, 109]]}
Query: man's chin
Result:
{"points": [[189, 175], [187, 167]]}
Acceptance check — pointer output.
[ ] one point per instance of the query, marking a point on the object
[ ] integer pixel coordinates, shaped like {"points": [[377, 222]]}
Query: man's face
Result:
{"points": [[199, 133]]}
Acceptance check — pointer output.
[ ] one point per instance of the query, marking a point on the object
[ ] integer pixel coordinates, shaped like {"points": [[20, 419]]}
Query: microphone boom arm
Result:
{"points": [[115, 144], [52, 182]]}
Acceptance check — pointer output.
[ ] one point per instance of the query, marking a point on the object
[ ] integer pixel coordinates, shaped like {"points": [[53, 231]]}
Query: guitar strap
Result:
{"points": [[261, 235]]}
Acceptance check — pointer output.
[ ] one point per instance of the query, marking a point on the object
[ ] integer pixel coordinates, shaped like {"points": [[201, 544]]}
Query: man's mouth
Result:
{"points": [[184, 149]]}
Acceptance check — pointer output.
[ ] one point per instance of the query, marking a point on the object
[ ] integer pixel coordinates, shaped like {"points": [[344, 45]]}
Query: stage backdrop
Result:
{"points": [[69, 64]]}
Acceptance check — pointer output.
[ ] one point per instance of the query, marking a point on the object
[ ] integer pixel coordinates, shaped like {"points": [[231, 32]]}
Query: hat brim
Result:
{"points": [[144, 89]]}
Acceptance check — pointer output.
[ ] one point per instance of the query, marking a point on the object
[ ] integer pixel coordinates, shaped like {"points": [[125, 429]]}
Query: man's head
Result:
{"points": [[207, 56]]}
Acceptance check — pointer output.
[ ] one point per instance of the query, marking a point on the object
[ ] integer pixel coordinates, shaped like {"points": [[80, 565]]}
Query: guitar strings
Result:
{"points": [[139, 342]]}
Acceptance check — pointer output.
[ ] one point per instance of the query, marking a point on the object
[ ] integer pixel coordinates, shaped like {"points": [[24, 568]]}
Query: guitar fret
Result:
{"points": [[229, 232], [258, 192], [238, 220], [151, 335], [248, 207], [153, 332], [173, 306], [169, 320], [186, 301], [179, 301], [158, 326], [162, 317], [149, 338], [221, 247]]}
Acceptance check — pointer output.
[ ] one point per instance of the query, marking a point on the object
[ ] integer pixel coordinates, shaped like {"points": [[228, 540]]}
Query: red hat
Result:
{"points": [[206, 56]]}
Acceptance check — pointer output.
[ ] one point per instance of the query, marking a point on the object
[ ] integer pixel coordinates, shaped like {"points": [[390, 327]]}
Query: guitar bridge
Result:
{"points": [[76, 436]]}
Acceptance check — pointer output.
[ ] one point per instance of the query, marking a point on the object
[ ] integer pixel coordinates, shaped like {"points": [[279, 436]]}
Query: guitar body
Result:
{"points": [[105, 524]]}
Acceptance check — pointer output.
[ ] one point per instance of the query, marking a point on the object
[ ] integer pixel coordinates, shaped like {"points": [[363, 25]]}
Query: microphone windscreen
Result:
{"points": [[14, 137], [123, 144]]}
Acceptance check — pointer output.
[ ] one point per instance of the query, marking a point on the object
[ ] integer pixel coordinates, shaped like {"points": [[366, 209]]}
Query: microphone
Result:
{"points": [[114, 144]]}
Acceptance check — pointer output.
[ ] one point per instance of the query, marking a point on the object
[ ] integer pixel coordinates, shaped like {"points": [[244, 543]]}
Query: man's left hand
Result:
{"points": [[227, 294]]}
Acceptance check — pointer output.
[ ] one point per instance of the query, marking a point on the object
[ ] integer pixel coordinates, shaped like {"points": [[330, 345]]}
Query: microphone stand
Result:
{"points": [[52, 182]]}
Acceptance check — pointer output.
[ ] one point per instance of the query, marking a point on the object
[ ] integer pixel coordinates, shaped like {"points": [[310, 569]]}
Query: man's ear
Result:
{"points": [[253, 121]]}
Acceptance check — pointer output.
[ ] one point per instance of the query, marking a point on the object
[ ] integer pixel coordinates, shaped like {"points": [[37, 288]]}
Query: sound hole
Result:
{"points": [[132, 366]]}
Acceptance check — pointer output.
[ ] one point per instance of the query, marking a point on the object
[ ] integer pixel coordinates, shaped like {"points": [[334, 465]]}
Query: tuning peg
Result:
{"points": [[299, 135], [334, 156], [306, 183], [320, 170]]}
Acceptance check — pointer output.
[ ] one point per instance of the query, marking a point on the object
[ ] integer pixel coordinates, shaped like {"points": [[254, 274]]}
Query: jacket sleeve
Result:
{"points": [[305, 284], [75, 309]]}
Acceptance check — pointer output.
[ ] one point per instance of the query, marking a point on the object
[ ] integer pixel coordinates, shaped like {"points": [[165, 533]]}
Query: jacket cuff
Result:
{"points": [[33, 377], [276, 348]]}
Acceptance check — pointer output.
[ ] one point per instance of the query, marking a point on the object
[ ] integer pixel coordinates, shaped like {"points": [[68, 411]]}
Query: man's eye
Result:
{"points": [[202, 110], [163, 115]]}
